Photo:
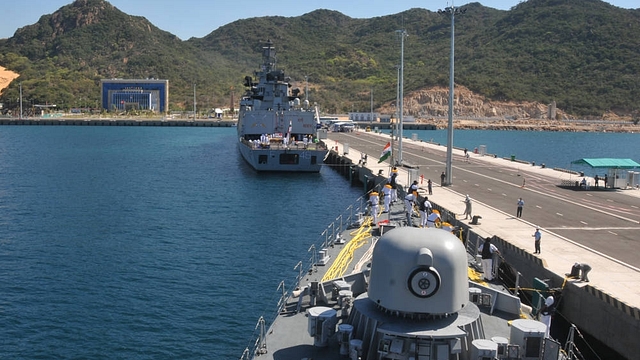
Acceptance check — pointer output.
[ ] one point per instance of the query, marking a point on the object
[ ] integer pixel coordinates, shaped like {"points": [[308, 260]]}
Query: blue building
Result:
{"points": [[135, 94]]}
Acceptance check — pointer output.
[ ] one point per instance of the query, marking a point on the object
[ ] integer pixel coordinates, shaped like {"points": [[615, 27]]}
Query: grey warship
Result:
{"points": [[276, 131], [391, 291]]}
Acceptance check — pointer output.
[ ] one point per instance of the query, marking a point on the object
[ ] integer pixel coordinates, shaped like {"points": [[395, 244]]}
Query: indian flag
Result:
{"points": [[386, 152]]}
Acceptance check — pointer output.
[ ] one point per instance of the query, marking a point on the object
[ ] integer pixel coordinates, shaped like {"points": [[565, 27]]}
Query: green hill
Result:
{"points": [[584, 54]]}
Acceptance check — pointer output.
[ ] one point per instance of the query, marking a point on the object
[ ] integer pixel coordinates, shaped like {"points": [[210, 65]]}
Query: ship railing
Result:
{"points": [[352, 215]]}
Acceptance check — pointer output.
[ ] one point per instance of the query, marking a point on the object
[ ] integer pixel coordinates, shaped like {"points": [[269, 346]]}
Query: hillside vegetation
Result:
{"points": [[585, 55]]}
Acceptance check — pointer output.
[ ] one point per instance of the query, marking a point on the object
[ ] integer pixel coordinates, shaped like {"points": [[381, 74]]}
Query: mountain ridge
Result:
{"points": [[584, 55]]}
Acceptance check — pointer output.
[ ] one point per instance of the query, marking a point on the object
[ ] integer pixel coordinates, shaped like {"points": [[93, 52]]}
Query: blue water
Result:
{"points": [[160, 242], [554, 149], [139, 242]]}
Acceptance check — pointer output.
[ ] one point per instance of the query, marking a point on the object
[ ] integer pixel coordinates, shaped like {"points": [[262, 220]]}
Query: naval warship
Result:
{"points": [[276, 131], [379, 289]]}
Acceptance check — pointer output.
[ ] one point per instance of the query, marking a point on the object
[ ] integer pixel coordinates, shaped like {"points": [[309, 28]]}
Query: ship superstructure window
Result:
{"points": [[289, 159], [314, 160]]}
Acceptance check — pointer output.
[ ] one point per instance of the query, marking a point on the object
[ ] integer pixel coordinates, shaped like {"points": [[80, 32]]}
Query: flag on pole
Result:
{"points": [[386, 152]]}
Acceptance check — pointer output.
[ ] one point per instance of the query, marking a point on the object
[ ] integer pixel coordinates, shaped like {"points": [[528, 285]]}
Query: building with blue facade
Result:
{"points": [[135, 94]]}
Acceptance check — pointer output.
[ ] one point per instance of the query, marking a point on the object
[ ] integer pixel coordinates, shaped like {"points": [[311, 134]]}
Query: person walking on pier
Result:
{"points": [[443, 177], [430, 187], [537, 237], [487, 249], [386, 192], [520, 204], [467, 207]]}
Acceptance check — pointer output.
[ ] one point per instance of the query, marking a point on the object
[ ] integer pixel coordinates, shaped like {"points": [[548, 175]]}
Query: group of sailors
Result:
{"points": [[428, 216], [264, 142]]}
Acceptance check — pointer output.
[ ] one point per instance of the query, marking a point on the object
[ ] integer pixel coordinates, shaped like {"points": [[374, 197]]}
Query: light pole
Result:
{"points": [[306, 88], [20, 117], [371, 118], [194, 101], [402, 34], [452, 10]]}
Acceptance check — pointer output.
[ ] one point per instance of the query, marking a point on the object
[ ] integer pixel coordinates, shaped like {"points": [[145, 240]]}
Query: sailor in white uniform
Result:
{"points": [[386, 191], [425, 209], [408, 204], [374, 200], [394, 184], [433, 219]]}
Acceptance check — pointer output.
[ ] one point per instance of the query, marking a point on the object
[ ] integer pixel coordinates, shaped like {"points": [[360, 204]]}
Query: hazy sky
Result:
{"points": [[197, 18]]}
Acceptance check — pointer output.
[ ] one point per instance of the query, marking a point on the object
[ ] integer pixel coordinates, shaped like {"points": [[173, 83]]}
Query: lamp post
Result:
{"points": [[20, 117], [194, 101], [452, 10], [306, 87], [402, 34]]}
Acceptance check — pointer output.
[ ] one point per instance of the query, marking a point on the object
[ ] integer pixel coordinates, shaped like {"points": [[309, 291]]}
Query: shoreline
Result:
{"points": [[541, 125]]}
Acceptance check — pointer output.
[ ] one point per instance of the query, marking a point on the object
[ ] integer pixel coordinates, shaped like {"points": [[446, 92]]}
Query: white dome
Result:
{"points": [[420, 271]]}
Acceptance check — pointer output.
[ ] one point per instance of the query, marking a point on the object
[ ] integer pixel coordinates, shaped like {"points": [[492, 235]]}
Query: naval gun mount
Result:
{"points": [[419, 305], [418, 297]]}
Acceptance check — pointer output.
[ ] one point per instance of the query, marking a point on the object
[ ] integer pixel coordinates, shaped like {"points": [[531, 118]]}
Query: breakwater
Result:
{"points": [[117, 122]]}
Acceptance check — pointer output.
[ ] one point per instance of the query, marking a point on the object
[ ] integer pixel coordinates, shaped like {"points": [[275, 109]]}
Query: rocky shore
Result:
{"points": [[539, 125]]}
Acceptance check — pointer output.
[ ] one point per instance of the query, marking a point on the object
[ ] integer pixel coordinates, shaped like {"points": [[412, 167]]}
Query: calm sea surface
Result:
{"points": [[155, 242], [554, 149]]}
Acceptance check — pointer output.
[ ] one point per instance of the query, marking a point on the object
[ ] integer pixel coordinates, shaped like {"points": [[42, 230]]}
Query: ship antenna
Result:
{"points": [[268, 56]]}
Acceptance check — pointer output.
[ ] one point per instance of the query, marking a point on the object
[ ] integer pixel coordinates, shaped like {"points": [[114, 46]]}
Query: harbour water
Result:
{"points": [[554, 149], [159, 242]]}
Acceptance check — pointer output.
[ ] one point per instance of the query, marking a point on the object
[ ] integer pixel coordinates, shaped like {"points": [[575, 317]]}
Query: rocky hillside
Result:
{"points": [[583, 55], [434, 103]]}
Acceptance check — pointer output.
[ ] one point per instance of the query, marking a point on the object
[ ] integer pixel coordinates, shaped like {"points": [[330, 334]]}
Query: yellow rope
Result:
{"points": [[345, 257]]}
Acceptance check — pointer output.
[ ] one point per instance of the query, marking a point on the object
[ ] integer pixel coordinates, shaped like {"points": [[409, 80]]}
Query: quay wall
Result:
{"points": [[598, 314], [116, 122]]}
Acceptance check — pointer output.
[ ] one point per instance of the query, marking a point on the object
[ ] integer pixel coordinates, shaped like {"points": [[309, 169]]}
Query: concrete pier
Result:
{"points": [[598, 227], [117, 122]]}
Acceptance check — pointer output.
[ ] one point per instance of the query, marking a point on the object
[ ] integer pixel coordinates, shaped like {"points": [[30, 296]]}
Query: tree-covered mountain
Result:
{"points": [[584, 54]]}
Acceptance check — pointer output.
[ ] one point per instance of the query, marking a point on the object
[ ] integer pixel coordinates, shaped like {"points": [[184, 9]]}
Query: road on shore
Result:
{"points": [[606, 221]]}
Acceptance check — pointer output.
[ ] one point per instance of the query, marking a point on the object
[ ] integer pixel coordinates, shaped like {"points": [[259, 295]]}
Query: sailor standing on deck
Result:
{"points": [[413, 187], [425, 209], [386, 192], [408, 204], [374, 199], [487, 249], [394, 184], [434, 219], [546, 312]]}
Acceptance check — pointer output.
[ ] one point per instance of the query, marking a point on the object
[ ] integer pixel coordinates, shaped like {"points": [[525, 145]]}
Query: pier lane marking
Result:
{"points": [[583, 222], [611, 232], [593, 228], [548, 230], [559, 214]]}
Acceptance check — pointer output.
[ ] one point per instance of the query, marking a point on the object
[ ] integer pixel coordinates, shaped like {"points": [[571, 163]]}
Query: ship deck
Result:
{"points": [[288, 338]]}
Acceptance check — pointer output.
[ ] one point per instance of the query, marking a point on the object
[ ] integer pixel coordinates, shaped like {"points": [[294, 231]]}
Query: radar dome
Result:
{"points": [[419, 271]]}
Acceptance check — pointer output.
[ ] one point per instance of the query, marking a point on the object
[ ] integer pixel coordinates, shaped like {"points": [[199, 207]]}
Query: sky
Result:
{"points": [[198, 18]]}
